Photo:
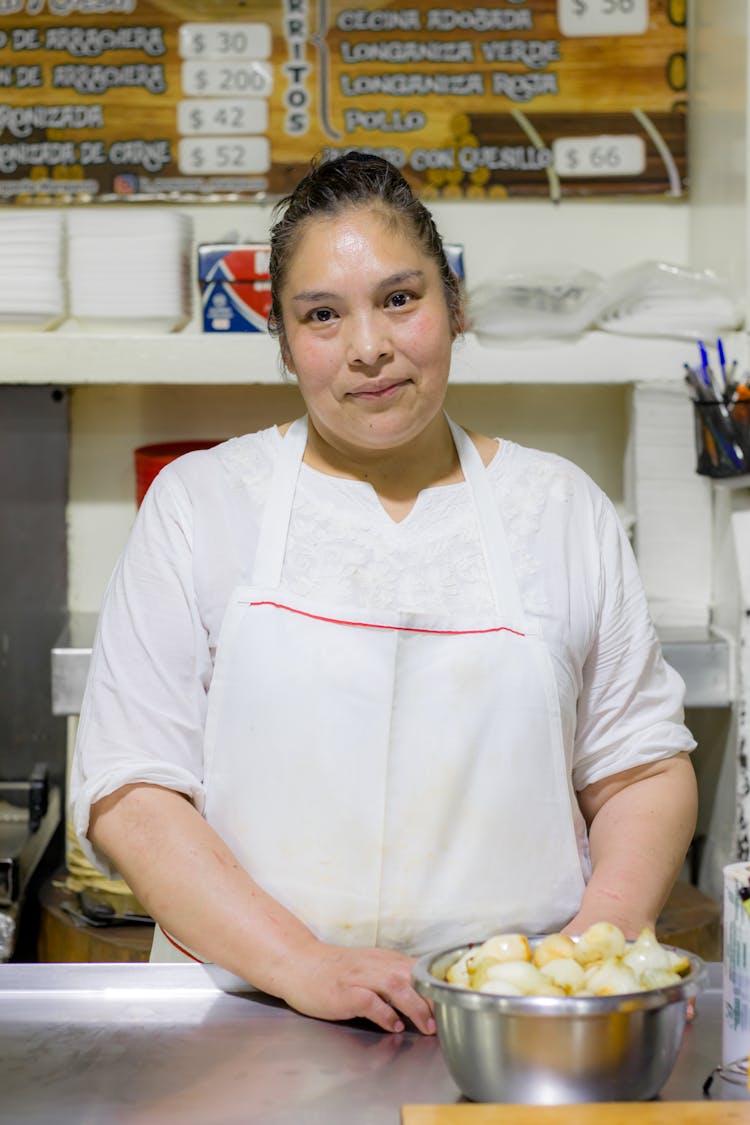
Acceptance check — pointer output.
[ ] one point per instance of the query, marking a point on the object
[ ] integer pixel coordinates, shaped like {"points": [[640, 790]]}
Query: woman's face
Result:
{"points": [[367, 331]]}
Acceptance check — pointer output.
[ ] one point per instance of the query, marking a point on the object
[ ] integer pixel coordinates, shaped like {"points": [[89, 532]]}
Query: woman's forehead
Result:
{"points": [[360, 250], [353, 229]]}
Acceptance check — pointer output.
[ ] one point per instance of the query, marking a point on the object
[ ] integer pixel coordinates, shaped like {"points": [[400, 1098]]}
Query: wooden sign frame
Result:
{"points": [[131, 100]]}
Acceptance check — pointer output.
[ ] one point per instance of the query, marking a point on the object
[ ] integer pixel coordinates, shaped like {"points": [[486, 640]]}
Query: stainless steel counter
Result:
{"points": [[701, 656], [137, 1044]]}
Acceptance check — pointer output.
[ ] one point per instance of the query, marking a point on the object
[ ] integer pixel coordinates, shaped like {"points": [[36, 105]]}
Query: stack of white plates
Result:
{"points": [[32, 292], [129, 271]]}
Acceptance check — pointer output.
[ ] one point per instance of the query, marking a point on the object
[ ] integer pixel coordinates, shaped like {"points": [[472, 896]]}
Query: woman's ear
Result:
{"points": [[458, 321]]}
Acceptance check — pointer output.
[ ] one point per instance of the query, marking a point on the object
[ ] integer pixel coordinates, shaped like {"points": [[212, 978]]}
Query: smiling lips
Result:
{"points": [[378, 393]]}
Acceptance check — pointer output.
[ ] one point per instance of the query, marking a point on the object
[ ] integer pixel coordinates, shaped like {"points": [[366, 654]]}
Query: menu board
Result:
{"points": [[104, 100]]}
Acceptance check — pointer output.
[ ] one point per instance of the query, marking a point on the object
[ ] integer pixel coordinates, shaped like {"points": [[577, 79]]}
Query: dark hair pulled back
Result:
{"points": [[352, 180]]}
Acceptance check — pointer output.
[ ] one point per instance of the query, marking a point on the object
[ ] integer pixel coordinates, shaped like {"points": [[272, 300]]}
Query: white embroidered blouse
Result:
{"points": [[194, 540]]}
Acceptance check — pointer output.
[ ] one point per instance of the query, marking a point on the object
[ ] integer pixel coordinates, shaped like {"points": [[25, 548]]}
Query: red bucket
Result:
{"points": [[151, 459]]}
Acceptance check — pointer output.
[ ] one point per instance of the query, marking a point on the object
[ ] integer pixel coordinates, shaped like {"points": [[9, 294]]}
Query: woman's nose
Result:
{"points": [[369, 340]]}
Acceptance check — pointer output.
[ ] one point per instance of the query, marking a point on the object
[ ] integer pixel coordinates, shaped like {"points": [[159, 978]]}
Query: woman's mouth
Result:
{"points": [[376, 394]]}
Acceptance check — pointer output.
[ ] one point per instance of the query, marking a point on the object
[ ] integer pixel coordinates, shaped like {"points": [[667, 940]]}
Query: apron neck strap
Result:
{"points": [[492, 533], [274, 530], [274, 527]]}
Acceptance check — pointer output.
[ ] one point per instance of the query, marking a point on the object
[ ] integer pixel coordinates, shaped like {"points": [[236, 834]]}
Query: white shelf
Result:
{"points": [[191, 357], [596, 357]]}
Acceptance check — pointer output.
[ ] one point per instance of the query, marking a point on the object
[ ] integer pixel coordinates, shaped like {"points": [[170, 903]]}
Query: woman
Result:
{"points": [[365, 684]]}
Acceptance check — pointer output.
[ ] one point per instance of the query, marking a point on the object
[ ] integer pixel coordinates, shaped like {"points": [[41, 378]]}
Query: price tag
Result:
{"points": [[221, 79], [225, 41], [599, 156], [222, 115], [230, 156], [602, 17]]}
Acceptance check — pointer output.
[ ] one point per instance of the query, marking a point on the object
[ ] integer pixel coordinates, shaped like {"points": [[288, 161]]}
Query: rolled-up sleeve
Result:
{"points": [[630, 710], [144, 707]]}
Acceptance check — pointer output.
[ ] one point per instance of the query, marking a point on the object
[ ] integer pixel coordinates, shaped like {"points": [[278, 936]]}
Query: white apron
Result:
{"points": [[394, 779]]}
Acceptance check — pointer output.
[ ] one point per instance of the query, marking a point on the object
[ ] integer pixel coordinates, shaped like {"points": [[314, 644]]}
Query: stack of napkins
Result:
{"points": [[129, 270], [32, 291]]}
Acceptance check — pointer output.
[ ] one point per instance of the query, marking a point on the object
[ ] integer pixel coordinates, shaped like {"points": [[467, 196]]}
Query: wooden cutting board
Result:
{"points": [[610, 1113]]}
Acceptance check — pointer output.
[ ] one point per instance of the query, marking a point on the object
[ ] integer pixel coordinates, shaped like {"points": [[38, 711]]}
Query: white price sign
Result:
{"points": [[599, 156], [602, 17], [216, 79], [222, 115], [225, 41], [231, 156]]}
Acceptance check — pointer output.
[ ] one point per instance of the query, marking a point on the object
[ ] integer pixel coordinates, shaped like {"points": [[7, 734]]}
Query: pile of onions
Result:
{"points": [[598, 963]]}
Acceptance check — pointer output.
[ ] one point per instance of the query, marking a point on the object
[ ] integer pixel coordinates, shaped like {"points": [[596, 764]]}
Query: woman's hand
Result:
{"points": [[336, 982]]}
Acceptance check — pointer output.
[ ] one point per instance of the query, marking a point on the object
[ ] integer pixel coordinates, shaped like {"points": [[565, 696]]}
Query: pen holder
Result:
{"points": [[722, 438]]}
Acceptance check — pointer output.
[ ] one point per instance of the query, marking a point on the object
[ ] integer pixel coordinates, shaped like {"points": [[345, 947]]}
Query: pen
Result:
{"points": [[722, 359], [722, 367], [705, 369]]}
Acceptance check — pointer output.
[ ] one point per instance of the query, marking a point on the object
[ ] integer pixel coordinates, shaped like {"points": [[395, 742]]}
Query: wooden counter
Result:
{"points": [[614, 1113], [62, 938]]}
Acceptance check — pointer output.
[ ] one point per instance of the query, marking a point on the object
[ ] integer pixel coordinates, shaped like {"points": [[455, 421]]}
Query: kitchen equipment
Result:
{"points": [[102, 908], [29, 815], [554, 1050]]}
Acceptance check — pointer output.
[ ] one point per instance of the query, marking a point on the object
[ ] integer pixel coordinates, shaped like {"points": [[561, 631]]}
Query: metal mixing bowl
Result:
{"points": [[550, 1050]]}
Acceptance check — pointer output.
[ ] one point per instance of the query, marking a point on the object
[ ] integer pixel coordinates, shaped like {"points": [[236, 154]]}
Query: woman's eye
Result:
{"points": [[398, 300], [321, 316]]}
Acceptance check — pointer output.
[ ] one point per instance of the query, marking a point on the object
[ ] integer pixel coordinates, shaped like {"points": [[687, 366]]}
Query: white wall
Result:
{"points": [[718, 236]]}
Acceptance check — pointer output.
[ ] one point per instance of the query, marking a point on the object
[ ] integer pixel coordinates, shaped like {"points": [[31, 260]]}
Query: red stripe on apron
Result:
{"points": [[398, 628], [181, 948]]}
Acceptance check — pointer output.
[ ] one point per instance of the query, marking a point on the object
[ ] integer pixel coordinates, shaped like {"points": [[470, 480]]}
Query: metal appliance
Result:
{"points": [[30, 812]]}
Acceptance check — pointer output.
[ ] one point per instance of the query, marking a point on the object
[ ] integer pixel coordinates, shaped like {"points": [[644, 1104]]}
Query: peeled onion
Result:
{"points": [[553, 948], [600, 941], [503, 947], [659, 978], [612, 978], [565, 973], [646, 953], [521, 974]]}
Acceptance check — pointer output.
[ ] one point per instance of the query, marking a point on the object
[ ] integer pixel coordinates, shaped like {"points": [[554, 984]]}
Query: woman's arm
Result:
{"points": [[189, 880], [641, 822]]}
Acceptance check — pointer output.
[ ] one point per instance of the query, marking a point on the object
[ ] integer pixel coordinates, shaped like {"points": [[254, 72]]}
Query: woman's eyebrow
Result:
{"points": [[315, 295], [401, 278]]}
